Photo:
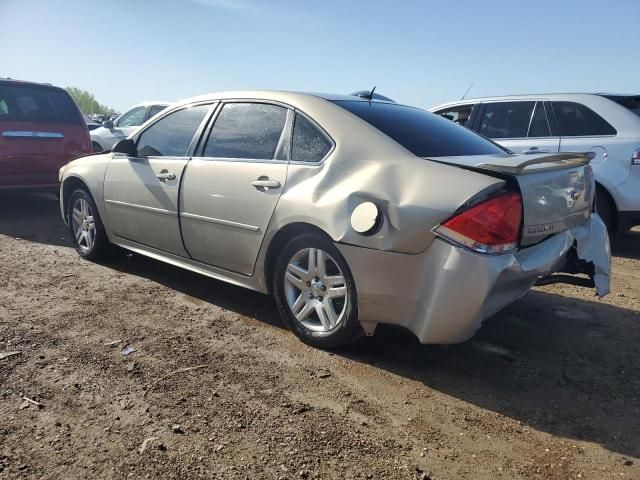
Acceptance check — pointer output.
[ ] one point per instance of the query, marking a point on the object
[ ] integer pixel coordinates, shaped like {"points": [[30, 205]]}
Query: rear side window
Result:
{"points": [[309, 144], [422, 133], [632, 102], [156, 109], [171, 135], [459, 115], [576, 120], [506, 119], [247, 131], [27, 103]]}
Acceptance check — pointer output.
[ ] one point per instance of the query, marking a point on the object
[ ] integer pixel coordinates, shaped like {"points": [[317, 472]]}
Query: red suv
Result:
{"points": [[41, 129]]}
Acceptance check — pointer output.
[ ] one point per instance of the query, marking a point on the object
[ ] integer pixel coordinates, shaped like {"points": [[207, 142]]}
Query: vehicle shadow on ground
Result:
{"points": [[626, 244], [574, 371], [574, 374], [34, 217], [571, 367]]}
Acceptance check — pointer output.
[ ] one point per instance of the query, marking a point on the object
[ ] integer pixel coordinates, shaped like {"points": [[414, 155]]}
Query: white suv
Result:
{"points": [[606, 124], [112, 132]]}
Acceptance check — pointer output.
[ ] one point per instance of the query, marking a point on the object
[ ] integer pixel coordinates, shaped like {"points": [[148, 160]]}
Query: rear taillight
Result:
{"points": [[491, 226], [635, 158]]}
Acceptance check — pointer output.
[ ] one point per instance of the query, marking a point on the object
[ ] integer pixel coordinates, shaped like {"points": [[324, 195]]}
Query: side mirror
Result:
{"points": [[108, 124], [126, 146]]}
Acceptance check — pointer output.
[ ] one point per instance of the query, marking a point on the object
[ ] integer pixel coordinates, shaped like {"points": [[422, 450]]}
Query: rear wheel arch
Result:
{"points": [[280, 239]]}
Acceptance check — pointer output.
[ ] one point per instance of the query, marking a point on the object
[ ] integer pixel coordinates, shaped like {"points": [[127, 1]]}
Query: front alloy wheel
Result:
{"points": [[315, 292], [83, 225]]}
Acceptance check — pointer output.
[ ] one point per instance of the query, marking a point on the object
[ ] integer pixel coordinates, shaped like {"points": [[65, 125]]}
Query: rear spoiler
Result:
{"points": [[556, 161]]}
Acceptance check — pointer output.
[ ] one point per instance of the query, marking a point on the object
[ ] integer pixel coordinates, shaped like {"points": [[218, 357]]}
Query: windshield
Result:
{"points": [[632, 102], [422, 133]]}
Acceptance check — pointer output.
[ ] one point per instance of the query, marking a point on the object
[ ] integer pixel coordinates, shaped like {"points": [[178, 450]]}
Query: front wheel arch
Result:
{"points": [[70, 185]]}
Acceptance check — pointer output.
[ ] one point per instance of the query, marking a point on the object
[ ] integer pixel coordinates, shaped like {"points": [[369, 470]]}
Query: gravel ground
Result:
{"points": [[548, 389]]}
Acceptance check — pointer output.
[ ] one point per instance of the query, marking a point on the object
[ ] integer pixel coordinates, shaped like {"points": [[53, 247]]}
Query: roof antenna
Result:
{"points": [[465, 93], [370, 94]]}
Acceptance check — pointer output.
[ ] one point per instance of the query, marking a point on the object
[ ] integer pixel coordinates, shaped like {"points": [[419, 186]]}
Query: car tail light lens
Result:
{"points": [[491, 226], [635, 158]]}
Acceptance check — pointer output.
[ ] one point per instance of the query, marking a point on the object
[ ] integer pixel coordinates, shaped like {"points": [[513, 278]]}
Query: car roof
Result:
{"points": [[28, 83], [276, 95], [527, 96]]}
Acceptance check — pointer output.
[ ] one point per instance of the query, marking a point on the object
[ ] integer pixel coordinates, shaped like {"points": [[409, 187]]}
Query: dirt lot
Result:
{"points": [[564, 403]]}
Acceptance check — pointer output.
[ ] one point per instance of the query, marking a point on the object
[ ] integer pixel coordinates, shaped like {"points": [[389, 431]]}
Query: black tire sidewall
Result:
{"points": [[606, 210], [349, 329], [101, 243]]}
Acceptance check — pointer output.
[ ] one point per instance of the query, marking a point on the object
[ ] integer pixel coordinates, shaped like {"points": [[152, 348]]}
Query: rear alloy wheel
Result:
{"points": [[85, 227], [315, 292]]}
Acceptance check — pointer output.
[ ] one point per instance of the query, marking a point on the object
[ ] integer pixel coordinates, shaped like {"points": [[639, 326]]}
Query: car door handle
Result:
{"points": [[164, 175], [265, 183], [536, 150]]}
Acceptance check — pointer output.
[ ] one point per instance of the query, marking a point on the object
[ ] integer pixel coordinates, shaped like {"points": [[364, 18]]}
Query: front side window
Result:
{"points": [[26, 103], [423, 133], [247, 131], [171, 135], [134, 118], [459, 114], [309, 144], [506, 119], [576, 120]]}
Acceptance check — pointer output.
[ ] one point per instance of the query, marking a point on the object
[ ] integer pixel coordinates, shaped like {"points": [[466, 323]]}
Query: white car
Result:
{"points": [[608, 125], [112, 132]]}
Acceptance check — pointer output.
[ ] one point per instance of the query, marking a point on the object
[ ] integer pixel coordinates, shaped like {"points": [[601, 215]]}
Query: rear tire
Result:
{"points": [[312, 279], [606, 209], [85, 227], [96, 147]]}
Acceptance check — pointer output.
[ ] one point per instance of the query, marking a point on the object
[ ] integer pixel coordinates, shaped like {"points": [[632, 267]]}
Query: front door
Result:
{"points": [[141, 193], [231, 189], [520, 126]]}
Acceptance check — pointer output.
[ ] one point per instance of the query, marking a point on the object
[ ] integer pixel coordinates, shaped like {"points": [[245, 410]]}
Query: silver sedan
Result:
{"points": [[351, 211]]}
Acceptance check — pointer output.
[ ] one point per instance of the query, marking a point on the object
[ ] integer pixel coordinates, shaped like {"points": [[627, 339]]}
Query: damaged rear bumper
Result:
{"points": [[443, 294]]}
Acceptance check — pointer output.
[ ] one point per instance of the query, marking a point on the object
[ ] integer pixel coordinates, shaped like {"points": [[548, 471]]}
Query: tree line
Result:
{"points": [[87, 102]]}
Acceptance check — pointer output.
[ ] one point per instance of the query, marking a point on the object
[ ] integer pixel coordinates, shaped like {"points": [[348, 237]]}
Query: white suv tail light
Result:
{"points": [[635, 158]]}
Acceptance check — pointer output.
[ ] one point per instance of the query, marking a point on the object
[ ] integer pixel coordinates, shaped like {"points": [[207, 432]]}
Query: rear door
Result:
{"points": [[231, 188], [522, 126], [141, 193], [41, 129], [583, 130]]}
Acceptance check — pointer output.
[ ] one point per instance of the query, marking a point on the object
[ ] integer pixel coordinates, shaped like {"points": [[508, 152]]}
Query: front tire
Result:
{"points": [[315, 293], [85, 227]]}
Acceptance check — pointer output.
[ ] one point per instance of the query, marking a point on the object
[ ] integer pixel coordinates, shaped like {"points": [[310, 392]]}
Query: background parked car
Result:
{"points": [[606, 124], [91, 124], [112, 131], [41, 129]]}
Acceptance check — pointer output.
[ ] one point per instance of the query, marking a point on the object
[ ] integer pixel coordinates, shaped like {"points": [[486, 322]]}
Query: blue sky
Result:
{"points": [[417, 52]]}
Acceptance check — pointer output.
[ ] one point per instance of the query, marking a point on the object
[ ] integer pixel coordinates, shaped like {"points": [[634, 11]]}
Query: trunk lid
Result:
{"points": [[557, 189]]}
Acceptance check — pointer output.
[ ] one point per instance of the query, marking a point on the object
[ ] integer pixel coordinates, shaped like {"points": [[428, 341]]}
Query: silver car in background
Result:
{"points": [[112, 131], [606, 125], [351, 211]]}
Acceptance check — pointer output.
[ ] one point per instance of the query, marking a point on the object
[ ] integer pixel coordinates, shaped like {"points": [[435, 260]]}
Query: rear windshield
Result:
{"points": [[632, 102], [27, 103], [422, 133]]}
